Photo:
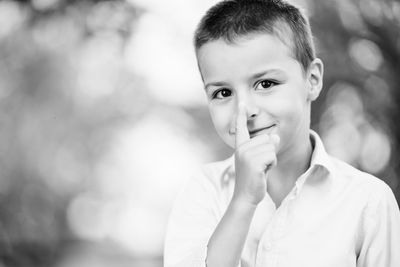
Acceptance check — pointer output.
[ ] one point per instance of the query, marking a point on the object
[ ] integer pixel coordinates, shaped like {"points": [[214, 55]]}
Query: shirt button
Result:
{"points": [[268, 246]]}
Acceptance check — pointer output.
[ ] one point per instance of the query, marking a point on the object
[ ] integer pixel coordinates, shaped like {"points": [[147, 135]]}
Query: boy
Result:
{"points": [[280, 200]]}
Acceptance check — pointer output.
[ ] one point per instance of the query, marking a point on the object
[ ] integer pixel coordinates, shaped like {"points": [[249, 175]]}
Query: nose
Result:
{"points": [[252, 110]]}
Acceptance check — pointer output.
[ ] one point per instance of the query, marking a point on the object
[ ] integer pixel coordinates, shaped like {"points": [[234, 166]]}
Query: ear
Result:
{"points": [[315, 76]]}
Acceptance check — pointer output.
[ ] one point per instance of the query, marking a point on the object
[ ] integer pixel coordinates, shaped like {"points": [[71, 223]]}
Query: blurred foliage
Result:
{"points": [[58, 116], [50, 139], [339, 25]]}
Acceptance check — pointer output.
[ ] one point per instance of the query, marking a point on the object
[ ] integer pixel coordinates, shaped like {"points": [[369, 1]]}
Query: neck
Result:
{"points": [[292, 164]]}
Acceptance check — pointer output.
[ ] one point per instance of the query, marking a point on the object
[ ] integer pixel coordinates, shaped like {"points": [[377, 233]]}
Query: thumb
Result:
{"points": [[275, 139]]}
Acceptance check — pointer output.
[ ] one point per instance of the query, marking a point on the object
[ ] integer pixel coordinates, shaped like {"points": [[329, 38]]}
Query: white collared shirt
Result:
{"points": [[335, 216]]}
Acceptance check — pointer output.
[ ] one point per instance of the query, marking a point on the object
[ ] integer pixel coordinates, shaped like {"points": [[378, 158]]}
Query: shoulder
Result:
{"points": [[204, 194], [373, 196], [210, 178], [214, 174], [218, 169], [366, 184]]}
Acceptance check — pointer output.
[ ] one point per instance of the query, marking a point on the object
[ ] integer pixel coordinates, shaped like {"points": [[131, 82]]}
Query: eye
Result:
{"points": [[265, 84], [222, 93]]}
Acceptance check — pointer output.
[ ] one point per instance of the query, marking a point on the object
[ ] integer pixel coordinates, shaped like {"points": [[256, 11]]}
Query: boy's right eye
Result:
{"points": [[221, 93]]}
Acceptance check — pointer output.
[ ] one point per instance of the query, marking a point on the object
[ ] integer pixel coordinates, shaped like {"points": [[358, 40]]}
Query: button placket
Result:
{"points": [[260, 256], [281, 221], [271, 245], [265, 250]]}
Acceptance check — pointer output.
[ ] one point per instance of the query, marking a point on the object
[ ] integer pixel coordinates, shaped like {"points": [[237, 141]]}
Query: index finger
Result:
{"points": [[242, 133]]}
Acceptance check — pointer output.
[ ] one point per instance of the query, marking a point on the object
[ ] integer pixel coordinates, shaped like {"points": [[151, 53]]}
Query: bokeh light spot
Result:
{"points": [[84, 217], [168, 63], [44, 4], [11, 17], [343, 141], [366, 53], [375, 151]]}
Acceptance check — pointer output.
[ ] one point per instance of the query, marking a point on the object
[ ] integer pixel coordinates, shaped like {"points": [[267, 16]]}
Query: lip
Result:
{"points": [[263, 130]]}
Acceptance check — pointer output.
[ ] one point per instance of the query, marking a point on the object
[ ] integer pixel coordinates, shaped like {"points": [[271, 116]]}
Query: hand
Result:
{"points": [[253, 158]]}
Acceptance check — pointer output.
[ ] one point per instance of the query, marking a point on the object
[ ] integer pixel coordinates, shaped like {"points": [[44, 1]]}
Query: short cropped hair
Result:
{"points": [[230, 19]]}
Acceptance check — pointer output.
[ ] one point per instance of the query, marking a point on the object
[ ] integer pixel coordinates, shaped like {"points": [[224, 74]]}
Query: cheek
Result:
{"points": [[293, 111], [288, 107], [222, 118]]}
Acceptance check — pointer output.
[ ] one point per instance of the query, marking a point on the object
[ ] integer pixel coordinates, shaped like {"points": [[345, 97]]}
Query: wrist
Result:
{"points": [[243, 204]]}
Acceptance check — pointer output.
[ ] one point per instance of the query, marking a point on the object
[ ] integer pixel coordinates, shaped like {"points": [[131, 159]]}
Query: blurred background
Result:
{"points": [[103, 118]]}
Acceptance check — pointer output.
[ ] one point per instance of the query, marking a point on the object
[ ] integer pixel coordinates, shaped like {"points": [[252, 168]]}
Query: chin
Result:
{"points": [[228, 140], [231, 144]]}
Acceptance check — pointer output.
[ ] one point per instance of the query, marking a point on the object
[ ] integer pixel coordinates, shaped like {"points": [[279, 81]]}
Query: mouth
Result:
{"points": [[264, 130]]}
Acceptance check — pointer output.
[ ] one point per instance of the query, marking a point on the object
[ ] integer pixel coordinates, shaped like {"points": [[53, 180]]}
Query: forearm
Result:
{"points": [[226, 244]]}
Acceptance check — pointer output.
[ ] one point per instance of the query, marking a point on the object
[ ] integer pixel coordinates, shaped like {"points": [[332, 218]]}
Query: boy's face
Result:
{"points": [[259, 71]]}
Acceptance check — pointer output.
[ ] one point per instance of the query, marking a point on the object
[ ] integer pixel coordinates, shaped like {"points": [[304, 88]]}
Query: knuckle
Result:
{"points": [[262, 137]]}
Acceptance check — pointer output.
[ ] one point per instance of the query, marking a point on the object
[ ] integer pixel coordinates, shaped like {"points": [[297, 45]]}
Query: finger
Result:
{"points": [[265, 161], [242, 133], [270, 163], [266, 154], [261, 140], [275, 139], [256, 141], [256, 151]]}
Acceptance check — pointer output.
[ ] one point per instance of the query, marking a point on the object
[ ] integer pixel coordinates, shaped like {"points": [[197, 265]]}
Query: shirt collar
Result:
{"points": [[319, 158]]}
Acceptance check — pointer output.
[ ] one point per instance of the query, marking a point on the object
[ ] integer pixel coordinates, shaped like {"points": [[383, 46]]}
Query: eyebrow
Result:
{"points": [[254, 76], [262, 73], [207, 86]]}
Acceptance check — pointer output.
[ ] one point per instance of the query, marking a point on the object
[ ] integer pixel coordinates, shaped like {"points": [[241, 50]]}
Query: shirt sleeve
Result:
{"points": [[381, 230], [194, 216]]}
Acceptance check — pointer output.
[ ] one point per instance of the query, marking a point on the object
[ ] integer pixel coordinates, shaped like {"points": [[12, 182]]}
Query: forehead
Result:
{"points": [[252, 53]]}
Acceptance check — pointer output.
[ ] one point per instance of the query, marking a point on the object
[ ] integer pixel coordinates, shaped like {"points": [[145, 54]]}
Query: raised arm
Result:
{"points": [[253, 157]]}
